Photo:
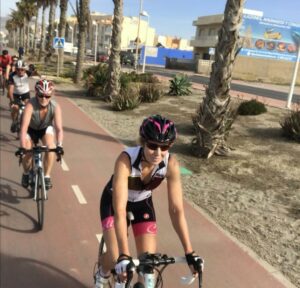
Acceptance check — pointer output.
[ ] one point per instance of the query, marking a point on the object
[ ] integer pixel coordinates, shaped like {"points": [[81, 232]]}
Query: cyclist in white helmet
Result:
{"points": [[18, 89], [42, 120]]}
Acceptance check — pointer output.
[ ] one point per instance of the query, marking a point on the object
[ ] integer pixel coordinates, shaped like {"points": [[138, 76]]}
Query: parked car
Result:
{"points": [[102, 57], [127, 58]]}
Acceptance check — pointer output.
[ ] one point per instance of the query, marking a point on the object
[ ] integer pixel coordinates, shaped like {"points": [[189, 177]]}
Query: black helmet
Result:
{"points": [[158, 129], [21, 65], [4, 52]]}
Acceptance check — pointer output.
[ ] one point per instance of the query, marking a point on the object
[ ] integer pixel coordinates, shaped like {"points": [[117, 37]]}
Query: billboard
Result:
{"points": [[269, 38]]}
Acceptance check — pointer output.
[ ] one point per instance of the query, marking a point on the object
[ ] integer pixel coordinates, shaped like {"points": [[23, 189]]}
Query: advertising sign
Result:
{"points": [[269, 38]]}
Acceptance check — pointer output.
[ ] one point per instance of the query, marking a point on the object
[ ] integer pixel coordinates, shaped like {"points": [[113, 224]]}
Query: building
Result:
{"points": [[266, 43]]}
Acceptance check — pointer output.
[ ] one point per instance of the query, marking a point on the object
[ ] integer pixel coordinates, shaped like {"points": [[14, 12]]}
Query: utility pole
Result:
{"points": [[138, 37]]}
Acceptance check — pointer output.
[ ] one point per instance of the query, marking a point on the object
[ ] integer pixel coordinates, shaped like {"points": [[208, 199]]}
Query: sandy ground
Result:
{"points": [[254, 194]]}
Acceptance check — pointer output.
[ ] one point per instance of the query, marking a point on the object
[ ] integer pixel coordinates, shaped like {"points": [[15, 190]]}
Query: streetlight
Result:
{"points": [[296, 38], [138, 37], [96, 40], [145, 14]]}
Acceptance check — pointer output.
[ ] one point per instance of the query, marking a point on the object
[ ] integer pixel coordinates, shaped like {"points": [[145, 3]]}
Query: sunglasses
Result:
{"points": [[21, 69], [153, 146], [44, 96]]}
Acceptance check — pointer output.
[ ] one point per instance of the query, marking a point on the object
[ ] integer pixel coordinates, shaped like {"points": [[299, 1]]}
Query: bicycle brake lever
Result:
{"points": [[188, 280]]}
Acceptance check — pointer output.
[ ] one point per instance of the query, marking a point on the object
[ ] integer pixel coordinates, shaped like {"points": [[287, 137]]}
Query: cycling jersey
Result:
{"points": [[139, 194], [21, 84], [5, 61], [36, 123]]}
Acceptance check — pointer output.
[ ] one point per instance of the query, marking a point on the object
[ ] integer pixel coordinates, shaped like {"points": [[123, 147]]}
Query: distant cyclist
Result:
{"points": [[42, 120], [18, 88], [15, 59], [5, 62], [138, 171]]}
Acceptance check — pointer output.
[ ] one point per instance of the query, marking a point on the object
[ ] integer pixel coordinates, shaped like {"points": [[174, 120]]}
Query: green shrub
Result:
{"points": [[180, 85], [150, 92], [252, 107], [291, 125], [128, 99]]}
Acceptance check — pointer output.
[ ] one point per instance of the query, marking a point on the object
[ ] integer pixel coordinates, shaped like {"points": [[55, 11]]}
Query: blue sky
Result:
{"points": [[175, 17]]}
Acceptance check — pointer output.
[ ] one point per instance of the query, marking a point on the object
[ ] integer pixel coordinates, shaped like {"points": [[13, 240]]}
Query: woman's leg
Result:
{"points": [[48, 140]]}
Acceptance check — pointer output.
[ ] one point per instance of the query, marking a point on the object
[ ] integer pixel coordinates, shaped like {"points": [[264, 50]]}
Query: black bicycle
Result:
{"points": [[17, 123], [37, 180]]}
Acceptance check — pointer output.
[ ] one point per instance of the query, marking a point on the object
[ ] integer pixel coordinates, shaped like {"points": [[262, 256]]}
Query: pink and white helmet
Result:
{"points": [[44, 87]]}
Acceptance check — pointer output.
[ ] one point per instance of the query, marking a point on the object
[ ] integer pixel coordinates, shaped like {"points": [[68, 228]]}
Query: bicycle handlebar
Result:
{"points": [[148, 262]]}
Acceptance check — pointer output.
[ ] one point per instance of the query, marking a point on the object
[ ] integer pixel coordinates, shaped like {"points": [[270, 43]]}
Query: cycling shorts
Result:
{"points": [[36, 135], [22, 97], [144, 221]]}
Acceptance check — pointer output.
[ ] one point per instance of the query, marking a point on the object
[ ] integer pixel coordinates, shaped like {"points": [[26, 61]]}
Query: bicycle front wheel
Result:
{"points": [[40, 198]]}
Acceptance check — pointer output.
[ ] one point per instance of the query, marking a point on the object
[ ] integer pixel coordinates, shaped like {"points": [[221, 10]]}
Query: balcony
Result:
{"points": [[205, 41]]}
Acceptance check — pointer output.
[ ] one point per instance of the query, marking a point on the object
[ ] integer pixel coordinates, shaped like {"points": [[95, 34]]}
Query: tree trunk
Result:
{"points": [[216, 113], [42, 42], [114, 59], [35, 31], [83, 20], [62, 29], [49, 47]]}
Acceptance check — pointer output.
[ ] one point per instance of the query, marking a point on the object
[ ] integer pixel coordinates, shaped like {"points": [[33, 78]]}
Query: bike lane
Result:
{"points": [[63, 254]]}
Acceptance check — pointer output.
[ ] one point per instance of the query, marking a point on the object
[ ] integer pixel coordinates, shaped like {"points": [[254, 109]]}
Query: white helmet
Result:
{"points": [[21, 65]]}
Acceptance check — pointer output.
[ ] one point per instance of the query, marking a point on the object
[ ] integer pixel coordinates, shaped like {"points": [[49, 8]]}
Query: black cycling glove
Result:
{"points": [[194, 260], [20, 152], [60, 150]]}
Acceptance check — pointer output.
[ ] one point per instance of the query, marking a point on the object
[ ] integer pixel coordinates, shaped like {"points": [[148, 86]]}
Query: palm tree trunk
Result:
{"points": [[62, 29], [114, 59], [51, 26], [35, 30], [42, 42], [83, 20], [216, 113]]}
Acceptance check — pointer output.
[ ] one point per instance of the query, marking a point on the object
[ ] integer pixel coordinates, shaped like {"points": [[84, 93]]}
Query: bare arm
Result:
{"points": [[120, 198], [176, 210], [10, 92], [58, 124], [25, 123]]}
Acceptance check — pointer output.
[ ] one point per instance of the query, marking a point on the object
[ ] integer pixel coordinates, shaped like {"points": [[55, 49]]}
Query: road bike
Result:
{"points": [[151, 267], [17, 121], [37, 180]]}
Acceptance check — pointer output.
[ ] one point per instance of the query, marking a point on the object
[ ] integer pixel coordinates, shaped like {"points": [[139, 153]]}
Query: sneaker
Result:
{"points": [[100, 281], [25, 180], [48, 183]]}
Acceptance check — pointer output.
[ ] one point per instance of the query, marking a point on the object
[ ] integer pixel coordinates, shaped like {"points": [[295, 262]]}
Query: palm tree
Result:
{"points": [[83, 17], [114, 59], [45, 4], [17, 21], [62, 28], [12, 28], [53, 4], [216, 114]]}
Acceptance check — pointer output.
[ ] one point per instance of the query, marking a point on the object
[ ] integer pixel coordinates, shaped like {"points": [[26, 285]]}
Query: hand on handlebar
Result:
{"points": [[195, 262], [20, 152], [123, 266]]}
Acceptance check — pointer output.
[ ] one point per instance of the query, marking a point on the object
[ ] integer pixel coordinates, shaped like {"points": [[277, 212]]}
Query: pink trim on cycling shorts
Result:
{"points": [[108, 223], [144, 228]]}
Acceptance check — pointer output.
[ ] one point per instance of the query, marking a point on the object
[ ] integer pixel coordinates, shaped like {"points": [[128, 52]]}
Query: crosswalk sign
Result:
{"points": [[58, 43]]}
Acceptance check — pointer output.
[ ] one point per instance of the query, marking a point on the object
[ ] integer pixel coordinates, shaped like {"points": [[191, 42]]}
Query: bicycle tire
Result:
{"points": [[40, 199]]}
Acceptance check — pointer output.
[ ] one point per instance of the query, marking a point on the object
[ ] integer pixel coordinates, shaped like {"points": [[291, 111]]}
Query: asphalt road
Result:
{"points": [[264, 92]]}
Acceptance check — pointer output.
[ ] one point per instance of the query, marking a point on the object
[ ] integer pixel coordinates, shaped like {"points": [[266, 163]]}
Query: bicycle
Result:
{"points": [[37, 180], [147, 265], [17, 122]]}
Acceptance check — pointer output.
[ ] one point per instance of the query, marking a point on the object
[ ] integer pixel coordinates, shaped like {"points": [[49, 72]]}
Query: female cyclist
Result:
{"points": [[138, 170]]}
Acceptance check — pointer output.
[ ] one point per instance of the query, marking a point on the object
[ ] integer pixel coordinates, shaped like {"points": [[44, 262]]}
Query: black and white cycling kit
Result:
{"points": [[37, 127], [21, 85], [139, 194]]}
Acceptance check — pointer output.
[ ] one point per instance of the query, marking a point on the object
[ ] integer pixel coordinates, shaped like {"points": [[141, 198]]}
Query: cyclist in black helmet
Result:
{"points": [[138, 171]]}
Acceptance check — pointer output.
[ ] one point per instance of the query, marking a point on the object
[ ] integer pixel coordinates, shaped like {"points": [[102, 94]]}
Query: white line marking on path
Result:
{"points": [[79, 194], [64, 165]]}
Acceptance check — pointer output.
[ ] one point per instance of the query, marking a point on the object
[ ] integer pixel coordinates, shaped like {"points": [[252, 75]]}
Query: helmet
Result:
{"points": [[44, 87], [4, 52], [20, 65], [159, 129]]}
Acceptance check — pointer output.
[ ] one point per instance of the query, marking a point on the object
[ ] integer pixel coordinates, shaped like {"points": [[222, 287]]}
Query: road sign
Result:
{"points": [[211, 51], [58, 43]]}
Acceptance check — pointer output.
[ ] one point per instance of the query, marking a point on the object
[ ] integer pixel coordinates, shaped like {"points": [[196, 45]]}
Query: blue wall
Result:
{"points": [[162, 53]]}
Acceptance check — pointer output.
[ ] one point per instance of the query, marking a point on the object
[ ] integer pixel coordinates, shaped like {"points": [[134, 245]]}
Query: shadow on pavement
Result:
{"points": [[25, 272]]}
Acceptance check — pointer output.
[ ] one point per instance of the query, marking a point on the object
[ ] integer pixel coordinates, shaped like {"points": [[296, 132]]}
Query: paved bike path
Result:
{"points": [[62, 255]]}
